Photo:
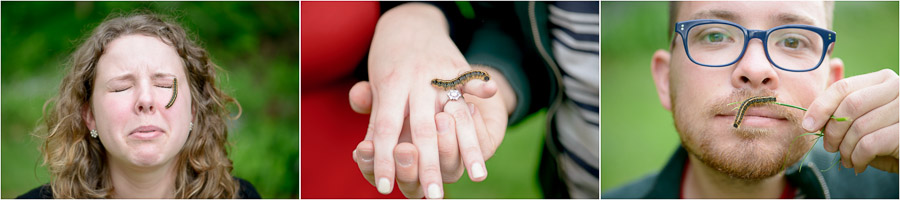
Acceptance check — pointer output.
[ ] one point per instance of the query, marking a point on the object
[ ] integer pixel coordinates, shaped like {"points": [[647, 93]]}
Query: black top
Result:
{"points": [[247, 191]]}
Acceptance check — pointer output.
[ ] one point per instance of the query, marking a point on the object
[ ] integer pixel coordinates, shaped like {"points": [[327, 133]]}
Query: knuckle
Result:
{"points": [[422, 129], [431, 170], [461, 116], [866, 146], [854, 103], [842, 86], [448, 152], [387, 127]]}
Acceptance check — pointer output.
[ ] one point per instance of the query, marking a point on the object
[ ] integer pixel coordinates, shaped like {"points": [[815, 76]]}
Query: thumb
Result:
{"points": [[480, 88], [361, 97]]}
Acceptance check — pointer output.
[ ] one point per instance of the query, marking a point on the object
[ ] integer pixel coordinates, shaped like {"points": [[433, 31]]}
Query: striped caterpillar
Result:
{"points": [[174, 93], [747, 103], [461, 80]]}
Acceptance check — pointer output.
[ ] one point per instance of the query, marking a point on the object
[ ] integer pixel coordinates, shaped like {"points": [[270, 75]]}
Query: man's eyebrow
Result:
{"points": [[789, 18], [715, 14]]}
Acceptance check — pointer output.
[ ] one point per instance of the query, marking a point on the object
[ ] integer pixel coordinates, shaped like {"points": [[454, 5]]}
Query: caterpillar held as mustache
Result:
{"points": [[174, 93], [461, 80], [747, 103]]}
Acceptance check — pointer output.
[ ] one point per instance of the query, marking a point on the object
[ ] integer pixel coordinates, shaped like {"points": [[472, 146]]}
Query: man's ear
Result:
{"points": [[659, 67], [837, 70], [88, 115]]}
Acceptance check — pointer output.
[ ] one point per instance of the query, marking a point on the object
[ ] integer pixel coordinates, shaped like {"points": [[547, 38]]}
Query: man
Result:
{"points": [[711, 64]]}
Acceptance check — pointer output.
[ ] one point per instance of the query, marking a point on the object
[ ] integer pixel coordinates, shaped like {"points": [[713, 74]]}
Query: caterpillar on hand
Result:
{"points": [[461, 80]]}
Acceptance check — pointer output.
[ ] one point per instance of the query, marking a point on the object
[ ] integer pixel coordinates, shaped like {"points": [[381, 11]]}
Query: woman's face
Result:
{"points": [[133, 84]]}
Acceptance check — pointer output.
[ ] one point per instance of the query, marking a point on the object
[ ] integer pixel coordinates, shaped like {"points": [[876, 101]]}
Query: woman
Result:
{"points": [[139, 115]]}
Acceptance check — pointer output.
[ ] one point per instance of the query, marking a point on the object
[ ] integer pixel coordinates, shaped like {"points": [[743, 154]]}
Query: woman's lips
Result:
{"points": [[145, 133]]}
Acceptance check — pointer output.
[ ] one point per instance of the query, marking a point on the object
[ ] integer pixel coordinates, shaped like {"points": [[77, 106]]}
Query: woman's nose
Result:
{"points": [[145, 101]]}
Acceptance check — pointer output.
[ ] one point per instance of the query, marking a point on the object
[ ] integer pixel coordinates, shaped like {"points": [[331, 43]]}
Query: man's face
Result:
{"points": [[759, 147]]}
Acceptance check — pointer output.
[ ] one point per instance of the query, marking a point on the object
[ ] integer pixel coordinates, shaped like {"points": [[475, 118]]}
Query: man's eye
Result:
{"points": [[716, 37], [791, 43]]}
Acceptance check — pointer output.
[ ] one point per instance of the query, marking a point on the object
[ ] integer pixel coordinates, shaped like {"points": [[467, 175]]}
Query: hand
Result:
{"points": [[870, 137], [410, 47], [486, 117]]}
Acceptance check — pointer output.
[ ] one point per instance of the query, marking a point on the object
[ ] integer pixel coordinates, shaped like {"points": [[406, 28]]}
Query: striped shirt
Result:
{"points": [[575, 29]]}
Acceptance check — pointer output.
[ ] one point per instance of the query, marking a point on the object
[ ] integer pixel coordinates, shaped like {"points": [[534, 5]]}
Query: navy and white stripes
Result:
{"points": [[575, 29]]}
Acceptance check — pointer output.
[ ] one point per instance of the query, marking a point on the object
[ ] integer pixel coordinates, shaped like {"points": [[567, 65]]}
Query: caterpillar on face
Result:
{"points": [[461, 80], [747, 103], [174, 93]]}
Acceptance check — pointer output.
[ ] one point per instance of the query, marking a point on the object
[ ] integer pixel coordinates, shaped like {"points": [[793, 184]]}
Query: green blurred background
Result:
{"points": [[638, 134], [256, 43]]}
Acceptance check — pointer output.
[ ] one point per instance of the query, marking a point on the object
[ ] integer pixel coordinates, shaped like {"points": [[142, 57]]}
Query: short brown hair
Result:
{"points": [[673, 15]]}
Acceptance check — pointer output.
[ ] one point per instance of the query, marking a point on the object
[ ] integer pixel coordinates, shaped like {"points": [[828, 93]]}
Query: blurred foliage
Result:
{"points": [[638, 134], [256, 43]]}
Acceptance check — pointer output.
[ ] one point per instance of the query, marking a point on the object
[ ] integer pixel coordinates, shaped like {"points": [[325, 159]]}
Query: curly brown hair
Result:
{"points": [[78, 164]]}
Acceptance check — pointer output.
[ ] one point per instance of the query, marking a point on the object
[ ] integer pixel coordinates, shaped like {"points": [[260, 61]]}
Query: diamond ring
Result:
{"points": [[454, 94]]}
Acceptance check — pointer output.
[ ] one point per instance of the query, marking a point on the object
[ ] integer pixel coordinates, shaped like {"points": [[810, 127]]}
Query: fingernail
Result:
{"points": [[828, 147], [366, 156], [404, 159], [477, 170], [808, 123], [471, 108], [434, 191], [384, 186], [845, 164]]}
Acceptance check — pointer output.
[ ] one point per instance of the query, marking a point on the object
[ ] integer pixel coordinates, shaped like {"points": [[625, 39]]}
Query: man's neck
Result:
{"points": [[701, 181], [156, 182]]}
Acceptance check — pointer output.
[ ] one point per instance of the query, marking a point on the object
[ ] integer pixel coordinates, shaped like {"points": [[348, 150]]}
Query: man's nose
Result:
{"points": [[753, 69]]}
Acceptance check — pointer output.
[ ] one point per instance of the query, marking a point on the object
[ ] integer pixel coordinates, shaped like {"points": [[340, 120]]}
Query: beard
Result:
{"points": [[748, 153]]}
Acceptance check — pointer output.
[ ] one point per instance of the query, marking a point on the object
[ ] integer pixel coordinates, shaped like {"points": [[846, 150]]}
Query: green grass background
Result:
{"points": [[638, 134], [256, 43]]}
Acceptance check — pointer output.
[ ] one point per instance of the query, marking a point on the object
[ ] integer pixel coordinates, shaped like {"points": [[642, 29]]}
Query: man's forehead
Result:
{"points": [[758, 15]]}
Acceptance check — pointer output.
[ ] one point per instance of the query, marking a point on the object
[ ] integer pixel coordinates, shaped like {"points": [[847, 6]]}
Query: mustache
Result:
{"points": [[720, 105]]}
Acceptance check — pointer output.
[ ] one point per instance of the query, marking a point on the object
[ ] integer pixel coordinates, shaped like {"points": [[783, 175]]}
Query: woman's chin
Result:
{"points": [[147, 157]]}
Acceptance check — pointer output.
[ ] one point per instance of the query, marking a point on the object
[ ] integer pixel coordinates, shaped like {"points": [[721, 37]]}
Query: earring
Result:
{"points": [[94, 133], [191, 127]]}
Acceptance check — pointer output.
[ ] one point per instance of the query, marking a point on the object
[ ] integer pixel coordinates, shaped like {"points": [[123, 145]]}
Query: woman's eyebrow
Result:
{"points": [[163, 75]]}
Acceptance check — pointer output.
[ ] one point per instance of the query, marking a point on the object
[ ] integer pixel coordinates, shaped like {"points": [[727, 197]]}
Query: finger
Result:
{"points": [[451, 165], [855, 105], [870, 122], [484, 137], [469, 148], [480, 88], [406, 157], [824, 105], [883, 142], [361, 97], [424, 136], [389, 109], [364, 155]]}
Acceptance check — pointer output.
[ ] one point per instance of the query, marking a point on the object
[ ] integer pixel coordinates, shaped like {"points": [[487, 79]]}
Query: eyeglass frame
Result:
{"points": [[828, 38]]}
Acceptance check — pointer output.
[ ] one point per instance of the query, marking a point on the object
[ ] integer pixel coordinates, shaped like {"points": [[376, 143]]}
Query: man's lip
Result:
{"points": [[757, 112]]}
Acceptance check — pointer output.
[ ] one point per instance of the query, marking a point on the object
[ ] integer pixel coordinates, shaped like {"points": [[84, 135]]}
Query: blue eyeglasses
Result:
{"points": [[719, 43]]}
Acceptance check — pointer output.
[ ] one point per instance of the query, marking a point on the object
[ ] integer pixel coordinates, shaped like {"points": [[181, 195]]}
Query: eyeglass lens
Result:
{"points": [[720, 44]]}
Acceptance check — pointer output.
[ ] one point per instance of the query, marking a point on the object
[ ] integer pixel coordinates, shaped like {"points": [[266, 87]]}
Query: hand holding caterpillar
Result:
{"points": [[461, 80], [764, 100]]}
